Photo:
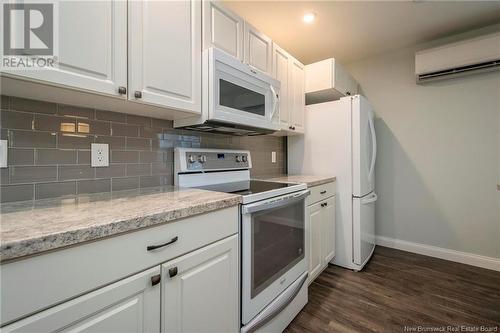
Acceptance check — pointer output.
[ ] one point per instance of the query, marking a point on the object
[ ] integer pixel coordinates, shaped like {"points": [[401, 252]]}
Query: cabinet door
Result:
{"points": [[222, 28], [281, 59], [165, 53], [314, 219], [92, 47], [129, 305], [258, 49], [200, 290], [328, 230], [297, 96]]}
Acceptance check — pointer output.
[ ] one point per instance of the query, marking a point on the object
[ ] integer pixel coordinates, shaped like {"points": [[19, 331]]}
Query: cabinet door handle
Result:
{"points": [[322, 192], [122, 90], [172, 272], [155, 279], [324, 204], [138, 94], [154, 247]]}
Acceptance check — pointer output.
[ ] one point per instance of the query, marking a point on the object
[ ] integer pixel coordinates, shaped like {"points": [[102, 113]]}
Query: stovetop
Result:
{"points": [[255, 190], [247, 187]]}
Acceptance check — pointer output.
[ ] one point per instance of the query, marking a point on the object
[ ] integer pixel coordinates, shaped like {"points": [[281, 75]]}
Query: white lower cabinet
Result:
{"points": [[200, 290], [320, 234], [314, 227], [129, 305], [190, 284]]}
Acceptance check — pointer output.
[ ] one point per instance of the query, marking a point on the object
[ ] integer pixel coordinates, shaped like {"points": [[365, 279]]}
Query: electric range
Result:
{"points": [[272, 233]]}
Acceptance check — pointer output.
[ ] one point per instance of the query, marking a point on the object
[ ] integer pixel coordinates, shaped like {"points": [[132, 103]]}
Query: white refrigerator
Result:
{"points": [[340, 141]]}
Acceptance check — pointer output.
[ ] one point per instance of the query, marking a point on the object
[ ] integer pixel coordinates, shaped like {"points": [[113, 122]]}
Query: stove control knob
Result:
{"points": [[191, 159], [244, 158], [238, 158], [202, 158]]}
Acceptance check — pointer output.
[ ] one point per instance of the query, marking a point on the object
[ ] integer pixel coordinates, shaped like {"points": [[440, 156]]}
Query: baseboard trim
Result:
{"points": [[439, 252]]}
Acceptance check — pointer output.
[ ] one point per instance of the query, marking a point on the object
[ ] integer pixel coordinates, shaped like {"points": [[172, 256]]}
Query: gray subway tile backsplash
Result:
{"points": [[94, 186], [23, 104], [111, 116], [66, 172], [121, 184], [68, 141], [11, 193], [75, 111], [54, 190], [49, 150], [55, 156], [114, 170], [123, 156], [31, 139], [16, 120], [21, 156], [32, 174], [124, 130]]}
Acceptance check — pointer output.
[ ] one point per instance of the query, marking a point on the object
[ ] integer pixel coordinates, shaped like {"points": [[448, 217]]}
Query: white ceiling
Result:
{"points": [[351, 31]]}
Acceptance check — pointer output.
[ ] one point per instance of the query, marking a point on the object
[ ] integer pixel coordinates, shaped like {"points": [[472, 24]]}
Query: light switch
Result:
{"points": [[3, 153], [273, 157]]}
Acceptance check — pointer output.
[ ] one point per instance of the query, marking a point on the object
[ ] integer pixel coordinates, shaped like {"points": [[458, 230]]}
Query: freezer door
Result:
{"points": [[364, 147], [363, 228]]}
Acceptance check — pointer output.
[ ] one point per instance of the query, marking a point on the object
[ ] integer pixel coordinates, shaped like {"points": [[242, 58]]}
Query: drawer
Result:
{"points": [[320, 192], [38, 282]]}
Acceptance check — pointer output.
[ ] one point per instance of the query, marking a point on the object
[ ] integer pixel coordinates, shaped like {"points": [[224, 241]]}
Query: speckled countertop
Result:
{"points": [[29, 228], [307, 179]]}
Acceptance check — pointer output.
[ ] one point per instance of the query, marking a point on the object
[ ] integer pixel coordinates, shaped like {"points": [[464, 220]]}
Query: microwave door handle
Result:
{"points": [[257, 207], [275, 101]]}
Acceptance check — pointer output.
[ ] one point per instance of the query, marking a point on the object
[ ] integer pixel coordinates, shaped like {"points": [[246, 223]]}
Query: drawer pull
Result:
{"points": [[172, 272], [322, 192], [154, 247], [324, 204], [155, 279]]}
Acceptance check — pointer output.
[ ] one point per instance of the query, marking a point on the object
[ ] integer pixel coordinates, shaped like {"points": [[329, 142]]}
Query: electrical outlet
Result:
{"points": [[99, 154], [3, 153], [273, 157]]}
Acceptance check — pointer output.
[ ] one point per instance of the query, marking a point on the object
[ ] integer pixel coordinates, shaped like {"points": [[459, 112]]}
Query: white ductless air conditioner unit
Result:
{"points": [[477, 55]]}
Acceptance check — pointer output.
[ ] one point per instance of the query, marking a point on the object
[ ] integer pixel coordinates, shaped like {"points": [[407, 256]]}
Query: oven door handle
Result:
{"points": [[276, 306], [257, 207]]}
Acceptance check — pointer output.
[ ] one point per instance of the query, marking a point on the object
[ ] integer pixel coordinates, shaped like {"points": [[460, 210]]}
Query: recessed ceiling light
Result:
{"points": [[309, 17]]}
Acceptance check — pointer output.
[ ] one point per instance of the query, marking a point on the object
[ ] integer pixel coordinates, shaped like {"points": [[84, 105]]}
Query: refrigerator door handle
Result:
{"points": [[374, 148], [369, 200]]}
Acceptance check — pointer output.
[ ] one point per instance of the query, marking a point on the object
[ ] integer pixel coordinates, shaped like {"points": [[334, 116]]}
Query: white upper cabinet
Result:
{"points": [[165, 53], [297, 96], [222, 29], [92, 48], [281, 73], [258, 49], [328, 80], [200, 290], [290, 72]]}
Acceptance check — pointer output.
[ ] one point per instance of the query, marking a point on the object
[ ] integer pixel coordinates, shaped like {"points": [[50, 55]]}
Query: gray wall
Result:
{"points": [[49, 150], [439, 154]]}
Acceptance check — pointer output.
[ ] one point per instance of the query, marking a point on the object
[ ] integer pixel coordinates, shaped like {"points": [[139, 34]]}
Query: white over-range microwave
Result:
{"points": [[236, 99]]}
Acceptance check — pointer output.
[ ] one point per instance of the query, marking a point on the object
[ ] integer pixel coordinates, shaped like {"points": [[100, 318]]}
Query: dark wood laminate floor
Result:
{"points": [[398, 289]]}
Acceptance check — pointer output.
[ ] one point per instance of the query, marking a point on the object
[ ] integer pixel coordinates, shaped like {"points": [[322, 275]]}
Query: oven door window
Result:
{"points": [[237, 97], [277, 243]]}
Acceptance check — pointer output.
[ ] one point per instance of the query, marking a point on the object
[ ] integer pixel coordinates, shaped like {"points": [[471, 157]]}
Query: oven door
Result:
{"points": [[240, 95], [272, 250]]}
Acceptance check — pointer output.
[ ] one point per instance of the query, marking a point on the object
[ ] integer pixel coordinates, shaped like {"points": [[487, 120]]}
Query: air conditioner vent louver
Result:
{"points": [[476, 55], [460, 71]]}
